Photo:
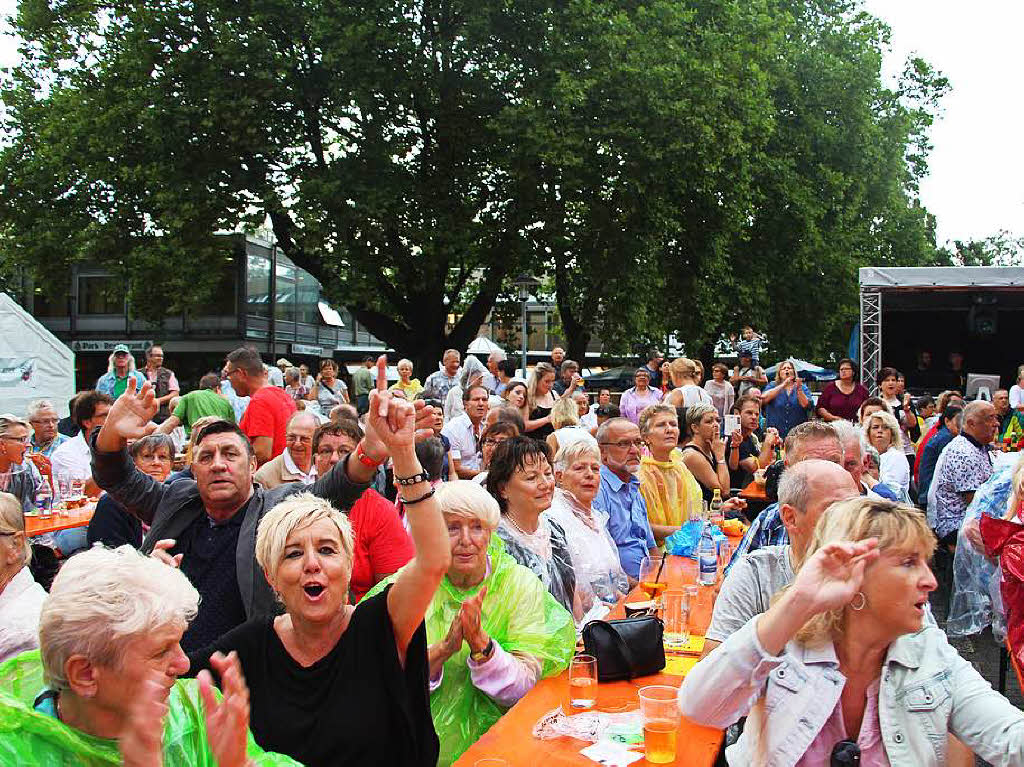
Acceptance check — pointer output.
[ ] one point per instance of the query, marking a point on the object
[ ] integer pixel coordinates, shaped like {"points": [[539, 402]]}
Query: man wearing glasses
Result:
{"points": [[619, 495], [295, 464], [44, 419]]}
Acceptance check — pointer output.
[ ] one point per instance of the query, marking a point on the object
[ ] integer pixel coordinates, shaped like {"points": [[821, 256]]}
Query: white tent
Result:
{"points": [[34, 363]]}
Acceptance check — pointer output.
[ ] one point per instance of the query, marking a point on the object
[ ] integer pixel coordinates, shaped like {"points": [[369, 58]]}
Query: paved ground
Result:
{"points": [[981, 650]]}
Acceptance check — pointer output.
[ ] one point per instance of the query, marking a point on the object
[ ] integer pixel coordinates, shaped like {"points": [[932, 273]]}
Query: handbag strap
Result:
{"points": [[620, 645]]}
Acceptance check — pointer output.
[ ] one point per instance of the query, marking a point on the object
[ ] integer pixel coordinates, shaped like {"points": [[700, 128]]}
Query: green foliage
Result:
{"points": [[669, 166]]}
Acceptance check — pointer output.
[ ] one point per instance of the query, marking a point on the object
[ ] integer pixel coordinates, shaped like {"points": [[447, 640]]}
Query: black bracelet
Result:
{"points": [[425, 496], [415, 479]]}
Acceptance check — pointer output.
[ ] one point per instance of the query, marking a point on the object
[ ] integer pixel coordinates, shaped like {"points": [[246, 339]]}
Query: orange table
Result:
{"points": [[54, 522], [511, 736], [753, 492]]}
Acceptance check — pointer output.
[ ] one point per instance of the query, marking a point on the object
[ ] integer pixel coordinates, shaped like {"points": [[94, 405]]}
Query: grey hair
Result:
{"points": [[795, 482], [971, 409], [568, 455], [9, 421], [806, 432], [102, 600], [12, 517], [607, 426], [292, 372], [37, 406], [152, 443], [467, 498], [694, 413]]}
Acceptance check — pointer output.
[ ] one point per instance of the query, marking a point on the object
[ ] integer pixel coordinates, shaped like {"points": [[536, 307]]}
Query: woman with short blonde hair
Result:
{"points": [[844, 629], [667, 485], [566, 420], [330, 681]]}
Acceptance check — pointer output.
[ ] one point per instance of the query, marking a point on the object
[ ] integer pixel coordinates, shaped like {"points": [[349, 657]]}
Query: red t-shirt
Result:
{"points": [[267, 415], [382, 545]]}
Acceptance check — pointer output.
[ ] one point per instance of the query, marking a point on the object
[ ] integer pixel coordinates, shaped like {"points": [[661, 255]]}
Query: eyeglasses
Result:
{"points": [[298, 438], [846, 753], [26, 441], [50, 421], [625, 444]]}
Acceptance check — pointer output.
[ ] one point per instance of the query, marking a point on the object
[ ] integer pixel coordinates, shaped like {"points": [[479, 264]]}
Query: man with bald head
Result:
{"points": [[806, 441], [806, 490], [295, 464]]}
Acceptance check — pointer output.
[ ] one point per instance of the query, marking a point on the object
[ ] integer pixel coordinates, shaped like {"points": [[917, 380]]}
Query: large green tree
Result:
{"points": [[671, 166]]}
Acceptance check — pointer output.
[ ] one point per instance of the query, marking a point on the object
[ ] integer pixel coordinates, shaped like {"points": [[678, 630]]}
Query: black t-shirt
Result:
{"points": [[541, 432], [113, 526], [209, 562], [741, 478], [707, 492], [355, 706]]}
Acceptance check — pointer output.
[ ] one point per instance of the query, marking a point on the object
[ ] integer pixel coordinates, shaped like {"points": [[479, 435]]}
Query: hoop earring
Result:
{"points": [[863, 601]]}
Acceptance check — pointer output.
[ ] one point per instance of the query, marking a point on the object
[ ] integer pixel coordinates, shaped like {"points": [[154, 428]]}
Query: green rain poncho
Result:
{"points": [[32, 738], [521, 616]]}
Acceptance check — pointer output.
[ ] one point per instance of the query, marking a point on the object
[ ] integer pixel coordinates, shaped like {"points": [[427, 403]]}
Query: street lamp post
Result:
{"points": [[524, 282]]}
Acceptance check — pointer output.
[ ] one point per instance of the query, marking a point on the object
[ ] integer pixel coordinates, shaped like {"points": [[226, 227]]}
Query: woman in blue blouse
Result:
{"points": [[785, 402]]}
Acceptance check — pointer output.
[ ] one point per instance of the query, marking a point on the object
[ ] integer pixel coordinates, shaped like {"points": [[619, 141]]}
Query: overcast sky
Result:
{"points": [[976, 168]]}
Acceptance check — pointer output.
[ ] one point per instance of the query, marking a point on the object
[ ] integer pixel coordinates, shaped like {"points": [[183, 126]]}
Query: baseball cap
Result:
{"points": [[122, 349]]}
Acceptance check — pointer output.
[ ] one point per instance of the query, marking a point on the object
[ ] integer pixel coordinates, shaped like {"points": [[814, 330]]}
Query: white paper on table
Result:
{"points": [[610, 754]]}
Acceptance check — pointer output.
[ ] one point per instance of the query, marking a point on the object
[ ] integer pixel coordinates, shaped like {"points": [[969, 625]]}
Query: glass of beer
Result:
{"points": [[677, 619], [660, 714], [653, 579], [582, 683]]}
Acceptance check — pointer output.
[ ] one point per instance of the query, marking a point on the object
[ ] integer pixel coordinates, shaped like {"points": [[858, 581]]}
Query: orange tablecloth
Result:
{"points": [[54, 522], [511, 737], [753, 492]]}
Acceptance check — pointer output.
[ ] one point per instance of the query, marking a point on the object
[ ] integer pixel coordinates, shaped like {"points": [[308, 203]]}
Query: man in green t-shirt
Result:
{"points": [[204, 401], [362, 384]]}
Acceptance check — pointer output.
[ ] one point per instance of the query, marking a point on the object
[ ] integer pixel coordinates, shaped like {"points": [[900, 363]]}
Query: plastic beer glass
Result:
{"points": [[661, 723]]}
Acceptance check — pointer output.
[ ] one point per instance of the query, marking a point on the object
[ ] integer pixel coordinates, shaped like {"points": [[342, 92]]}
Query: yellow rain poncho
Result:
{"points": [[669, 488], [29, 737], [521, 616]]}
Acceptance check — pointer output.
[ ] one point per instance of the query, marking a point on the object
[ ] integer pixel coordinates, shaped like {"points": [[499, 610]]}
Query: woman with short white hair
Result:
{"points": [[21, 598], [108, 663], [331, 683], [493, 629], [16, 477], [883, 433], [595, 557]]}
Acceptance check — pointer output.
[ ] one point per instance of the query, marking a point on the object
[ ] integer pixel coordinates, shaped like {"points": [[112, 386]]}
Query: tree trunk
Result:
{"points": [[577, 334]]}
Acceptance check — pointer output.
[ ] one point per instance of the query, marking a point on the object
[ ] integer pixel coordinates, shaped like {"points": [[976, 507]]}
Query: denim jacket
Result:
{"points": [[927, 690]]}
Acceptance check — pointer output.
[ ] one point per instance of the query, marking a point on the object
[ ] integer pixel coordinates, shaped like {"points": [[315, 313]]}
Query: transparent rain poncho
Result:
{"points": [[975, 602], [520, 615], [28, 737]]}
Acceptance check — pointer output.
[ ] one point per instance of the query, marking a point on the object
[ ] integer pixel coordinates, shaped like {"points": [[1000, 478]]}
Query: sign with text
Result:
{"points": [[316, 351], [108, 346]]}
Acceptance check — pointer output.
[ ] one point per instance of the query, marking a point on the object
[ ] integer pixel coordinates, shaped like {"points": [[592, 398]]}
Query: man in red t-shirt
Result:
{"points": [[266, 417]]}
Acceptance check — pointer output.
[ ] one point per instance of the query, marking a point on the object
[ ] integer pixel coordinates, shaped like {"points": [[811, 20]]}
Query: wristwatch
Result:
{"points": [[485, 654]]}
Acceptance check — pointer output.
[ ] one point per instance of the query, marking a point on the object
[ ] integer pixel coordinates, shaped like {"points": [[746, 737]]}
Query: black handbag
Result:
{"points": [[626, 648]]}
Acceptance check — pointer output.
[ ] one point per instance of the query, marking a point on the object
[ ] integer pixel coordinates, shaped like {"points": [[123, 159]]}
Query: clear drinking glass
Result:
{"points": [[676, 616], [653, 578], [582, 683], [660, 714], [724, 554]]}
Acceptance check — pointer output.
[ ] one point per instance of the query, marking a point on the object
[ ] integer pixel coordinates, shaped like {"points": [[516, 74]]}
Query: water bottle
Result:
{"points": [[717, 516], [44, 498], [707, 558]]}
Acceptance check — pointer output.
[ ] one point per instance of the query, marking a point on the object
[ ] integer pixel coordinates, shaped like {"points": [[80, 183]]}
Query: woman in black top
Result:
{"points": [[111, 524], [704, 456], [329, 683]]}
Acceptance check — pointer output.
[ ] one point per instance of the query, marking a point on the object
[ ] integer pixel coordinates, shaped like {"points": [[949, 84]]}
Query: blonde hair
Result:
{"points": [[568, 455], [12, 517], [466, 498], [778, 370], [896, 526], [649, 412], [890, 423], [540, 370], [103, 599], [682, 369], [295, 512], [565, 413], [694, 414]]}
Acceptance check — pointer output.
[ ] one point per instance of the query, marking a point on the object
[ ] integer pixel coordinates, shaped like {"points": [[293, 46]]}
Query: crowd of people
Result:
{"points": [[374, 574]]}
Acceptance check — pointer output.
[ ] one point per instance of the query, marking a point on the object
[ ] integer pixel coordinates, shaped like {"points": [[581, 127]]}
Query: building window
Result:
{"points": [[47, 302], [285, 307], [100, 294], [223, 297], [257, 285]]}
